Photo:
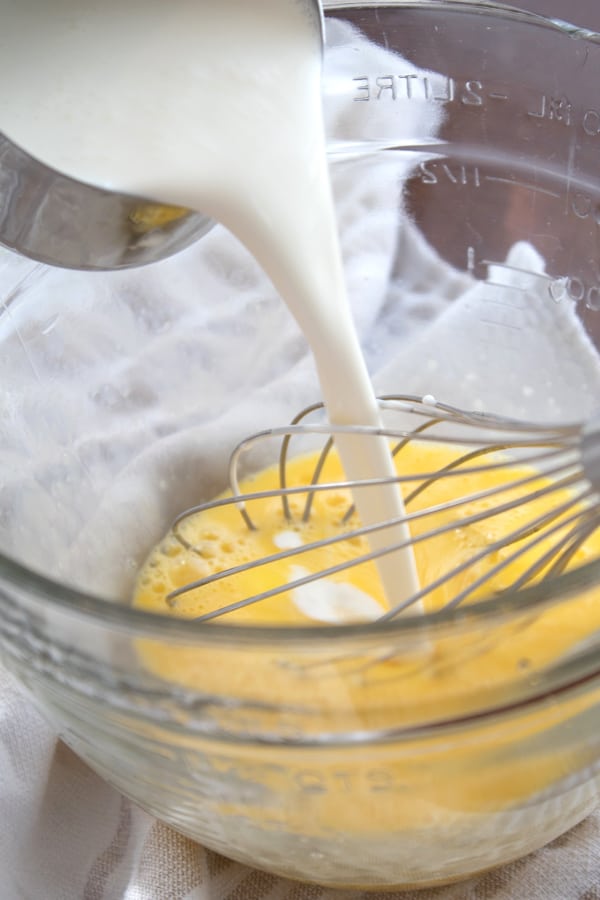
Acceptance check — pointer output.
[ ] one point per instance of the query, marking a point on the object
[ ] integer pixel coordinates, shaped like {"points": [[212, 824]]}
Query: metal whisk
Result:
{"points": [[557, 463]]}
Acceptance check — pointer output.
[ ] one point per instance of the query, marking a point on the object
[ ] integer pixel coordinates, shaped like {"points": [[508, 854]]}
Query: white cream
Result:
{"points": [[287, 540], [333, 602], [215, 105]]}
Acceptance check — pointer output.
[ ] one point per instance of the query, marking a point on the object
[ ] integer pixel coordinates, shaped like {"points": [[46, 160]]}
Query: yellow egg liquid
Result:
{"points": [[218, 539], [435, 680]]}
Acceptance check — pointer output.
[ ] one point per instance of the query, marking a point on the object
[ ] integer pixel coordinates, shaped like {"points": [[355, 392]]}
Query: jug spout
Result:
{"points": [[57, 220]]}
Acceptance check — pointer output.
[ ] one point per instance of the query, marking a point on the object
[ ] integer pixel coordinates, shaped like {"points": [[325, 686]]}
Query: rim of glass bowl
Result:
{"points": [[130, 619]]}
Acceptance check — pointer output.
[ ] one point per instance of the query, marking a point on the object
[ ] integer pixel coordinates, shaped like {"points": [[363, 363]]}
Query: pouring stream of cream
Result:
{"points": [[214, 105]]}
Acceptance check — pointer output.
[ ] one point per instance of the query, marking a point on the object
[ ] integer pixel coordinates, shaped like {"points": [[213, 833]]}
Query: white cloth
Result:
{"points": [[64, 833]]}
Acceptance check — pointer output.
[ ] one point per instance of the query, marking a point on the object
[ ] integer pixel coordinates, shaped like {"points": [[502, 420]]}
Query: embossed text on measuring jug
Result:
{"points": [[550, 107], [557, 109], [459, 174], [575, 288], [324, 781], [416, 86], [560, 109]]}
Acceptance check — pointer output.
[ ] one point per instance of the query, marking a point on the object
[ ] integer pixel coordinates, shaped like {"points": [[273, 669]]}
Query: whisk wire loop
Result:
{"points": [[527, 463]]}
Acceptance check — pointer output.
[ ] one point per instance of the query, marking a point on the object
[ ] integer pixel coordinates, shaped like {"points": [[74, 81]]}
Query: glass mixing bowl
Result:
{"points": [[464, 141]]}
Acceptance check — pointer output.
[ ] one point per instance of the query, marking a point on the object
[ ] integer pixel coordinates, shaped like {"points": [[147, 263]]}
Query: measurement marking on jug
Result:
{"points": [[311, 781], [522, 184], [446, 97], [591, 122], [416, 86], [583, 206], [502, 303], [471, 92], [560, 287], [503, 284], [561, 110], [471, 260], [409, 86], [558, 109], [580, 292], [518, 269], [500, 323], [434, 172]]}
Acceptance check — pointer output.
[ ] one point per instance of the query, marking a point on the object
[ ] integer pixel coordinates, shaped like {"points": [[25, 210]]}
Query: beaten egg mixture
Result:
{"points": [[218, 539], [434, 680]]}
